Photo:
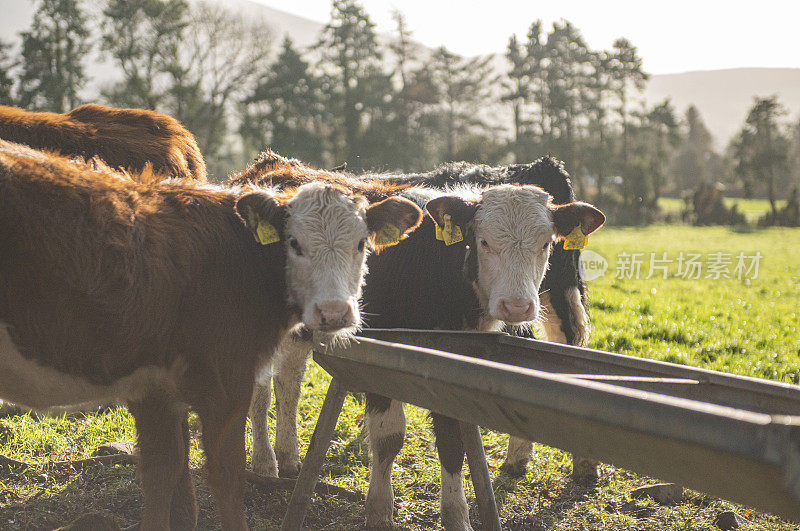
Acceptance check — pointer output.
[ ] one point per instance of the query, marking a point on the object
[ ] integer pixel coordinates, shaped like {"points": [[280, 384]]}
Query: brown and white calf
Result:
{"points": [[490, 278], [169, 295], [127, 139]]}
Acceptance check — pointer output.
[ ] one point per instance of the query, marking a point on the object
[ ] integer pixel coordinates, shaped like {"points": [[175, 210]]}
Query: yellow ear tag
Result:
{"points": [[266, 233], [438, 232], [451, 233], [576, 239], [388, 235]]}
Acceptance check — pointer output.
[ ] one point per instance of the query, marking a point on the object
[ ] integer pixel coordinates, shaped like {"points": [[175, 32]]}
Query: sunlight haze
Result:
{"points": [[671, 37]]}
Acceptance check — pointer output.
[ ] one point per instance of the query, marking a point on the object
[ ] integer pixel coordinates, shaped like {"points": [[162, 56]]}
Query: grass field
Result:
{"points": [[748, 326], [751, 208]]}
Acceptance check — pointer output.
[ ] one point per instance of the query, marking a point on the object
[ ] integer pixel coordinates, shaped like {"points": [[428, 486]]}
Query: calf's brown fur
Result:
{"points": [[128, 139], [270, 168], [157, 293], [101, 276]]}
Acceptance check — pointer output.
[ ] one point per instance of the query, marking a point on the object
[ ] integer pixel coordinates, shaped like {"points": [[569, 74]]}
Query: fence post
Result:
{"points": [[317, 448], [479, 471]]}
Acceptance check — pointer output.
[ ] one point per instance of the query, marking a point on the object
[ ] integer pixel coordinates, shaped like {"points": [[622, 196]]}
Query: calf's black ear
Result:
{"points": [[567, 217], [460, 211], [263, 215], [392, 219]]}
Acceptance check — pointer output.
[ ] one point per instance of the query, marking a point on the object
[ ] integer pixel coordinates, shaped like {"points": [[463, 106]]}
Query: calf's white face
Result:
{"points": [[326, 240], [327, 232], [513, 232], [513, 228]]}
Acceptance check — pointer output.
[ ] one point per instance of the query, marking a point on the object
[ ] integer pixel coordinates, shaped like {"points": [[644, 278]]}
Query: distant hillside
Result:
{"points": [[302, 31], [18, 14], [722, 96]]}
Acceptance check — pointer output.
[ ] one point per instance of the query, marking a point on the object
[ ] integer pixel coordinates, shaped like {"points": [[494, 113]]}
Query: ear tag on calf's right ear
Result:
{"points": [[450, 234], [266, 233], [388, 235], [576, 239]]}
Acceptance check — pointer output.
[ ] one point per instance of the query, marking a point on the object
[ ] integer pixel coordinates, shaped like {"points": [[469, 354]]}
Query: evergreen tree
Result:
{"points": [[535, 55], [526, 91], [462, 88], [598, 141], [627, 74], [794, 155], [7, 64], [143, 38], [654, 133], [286, 111], [350, 51], [662, 136], [761, 150], [413, 94], [695, 161], [568, 62], [405, 137], [51, 57], [518, 91], [404, 50]]}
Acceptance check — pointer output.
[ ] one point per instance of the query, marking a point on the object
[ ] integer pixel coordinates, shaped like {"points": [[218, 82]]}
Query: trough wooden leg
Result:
{"points": [[317, 448], [479, 470]]}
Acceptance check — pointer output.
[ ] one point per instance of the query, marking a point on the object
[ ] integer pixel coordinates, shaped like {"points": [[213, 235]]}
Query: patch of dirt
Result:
{"points": [[115, 491]]}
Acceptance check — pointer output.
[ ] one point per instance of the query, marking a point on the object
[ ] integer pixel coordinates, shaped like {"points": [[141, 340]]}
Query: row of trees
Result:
{"points": [[394, 105]]}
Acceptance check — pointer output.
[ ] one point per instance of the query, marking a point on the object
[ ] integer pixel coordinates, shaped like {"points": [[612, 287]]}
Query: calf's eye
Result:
{"points": [[361, 246], [293, 243], [546, 246], [485, 244]]}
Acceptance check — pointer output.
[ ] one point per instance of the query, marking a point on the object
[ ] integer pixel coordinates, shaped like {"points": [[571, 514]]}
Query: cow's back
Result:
{"points": [[130, 139]]}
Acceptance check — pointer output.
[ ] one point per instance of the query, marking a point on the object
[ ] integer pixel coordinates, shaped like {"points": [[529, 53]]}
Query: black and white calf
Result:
{"points": [[565, 316]]}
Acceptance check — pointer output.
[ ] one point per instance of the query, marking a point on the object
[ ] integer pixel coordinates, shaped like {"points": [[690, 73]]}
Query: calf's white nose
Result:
{"points": [[332, 315], [516, 310]]}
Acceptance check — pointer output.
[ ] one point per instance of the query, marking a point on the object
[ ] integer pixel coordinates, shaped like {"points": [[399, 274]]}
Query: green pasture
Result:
{"points": [[748, 325], [751, 208]]}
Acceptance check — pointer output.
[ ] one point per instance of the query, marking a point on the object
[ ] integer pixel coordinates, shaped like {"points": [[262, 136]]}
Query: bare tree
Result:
{"points": [[221, 58]]}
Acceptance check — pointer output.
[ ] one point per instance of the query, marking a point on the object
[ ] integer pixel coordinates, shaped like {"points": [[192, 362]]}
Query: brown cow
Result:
{"points": [[169, 294], [128, 139]]}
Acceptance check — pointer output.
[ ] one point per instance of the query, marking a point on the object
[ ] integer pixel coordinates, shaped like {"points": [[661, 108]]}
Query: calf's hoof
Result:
{"points": [[378, 513], [455, 519], [263, 465], [584, 471], [514, 470], [289, 468]]}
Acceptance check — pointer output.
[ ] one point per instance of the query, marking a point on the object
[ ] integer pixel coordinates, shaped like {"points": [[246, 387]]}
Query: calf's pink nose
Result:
{"points": [[333, 314], [516, 310]]}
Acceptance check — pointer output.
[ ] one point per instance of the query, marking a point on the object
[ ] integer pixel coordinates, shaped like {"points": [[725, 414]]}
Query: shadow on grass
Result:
{"points": [[115, 491], [549, 506]]}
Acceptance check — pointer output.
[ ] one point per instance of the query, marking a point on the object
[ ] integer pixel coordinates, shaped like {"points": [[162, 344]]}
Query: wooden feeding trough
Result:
{"points": [[731, 436]]}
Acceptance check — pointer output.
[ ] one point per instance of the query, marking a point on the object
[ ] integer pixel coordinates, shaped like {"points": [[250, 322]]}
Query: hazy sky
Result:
{"points": [[674, 36]]}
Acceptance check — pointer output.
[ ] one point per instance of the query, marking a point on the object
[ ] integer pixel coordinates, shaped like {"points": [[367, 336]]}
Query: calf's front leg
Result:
{"points": [[386, 429], [450, 447], [288, 383], [263, 460], [223, 441], [163, 439]]}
